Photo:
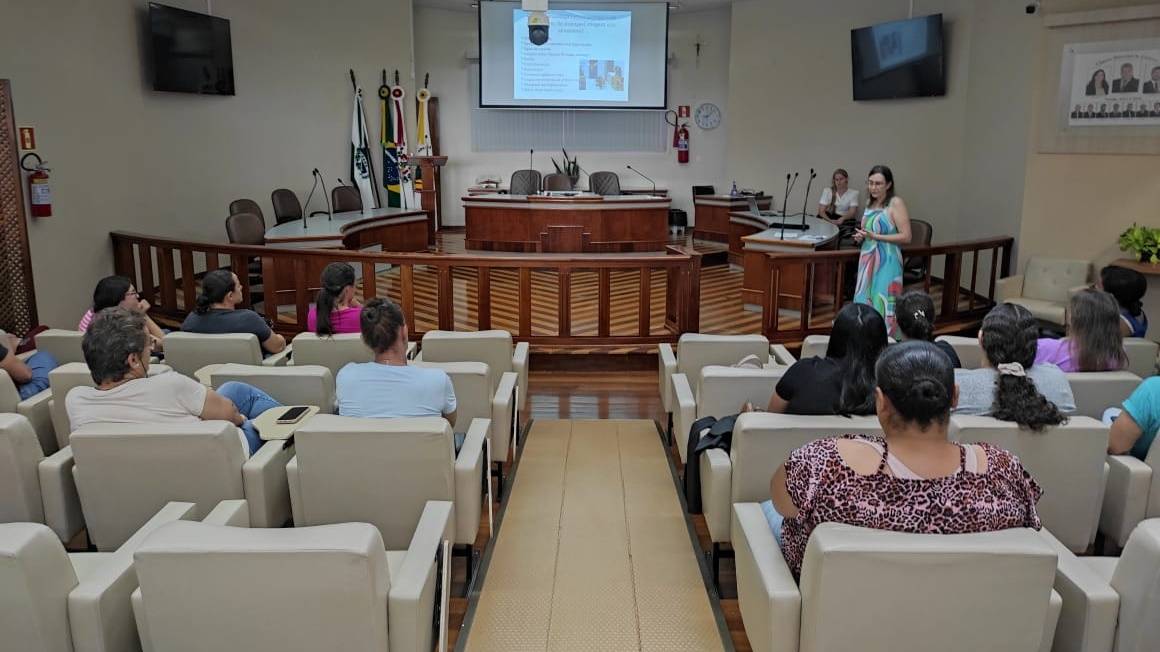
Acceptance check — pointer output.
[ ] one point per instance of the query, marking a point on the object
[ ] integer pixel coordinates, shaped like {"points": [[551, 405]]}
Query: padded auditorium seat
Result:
{"points": [[1043, 286], [64, 345], [62, 380], [331, 587], [35, 488], [187, 353], [878, 591], [494, 347], [36, 408], [721, 391], [291, 385], [334, 351], [967, 348], [1096, 391], [1132, 494]]}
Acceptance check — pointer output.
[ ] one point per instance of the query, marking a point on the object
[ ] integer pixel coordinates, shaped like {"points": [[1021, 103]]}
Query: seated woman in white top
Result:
{"points": [[839, 202]]}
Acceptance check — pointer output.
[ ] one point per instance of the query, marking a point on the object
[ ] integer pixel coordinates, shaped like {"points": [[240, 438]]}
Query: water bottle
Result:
{"points": [[733, 190]]}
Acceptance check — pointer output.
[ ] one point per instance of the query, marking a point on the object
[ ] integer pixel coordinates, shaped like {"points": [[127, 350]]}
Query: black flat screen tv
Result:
{"points": [[191, 51], [903, 58]]}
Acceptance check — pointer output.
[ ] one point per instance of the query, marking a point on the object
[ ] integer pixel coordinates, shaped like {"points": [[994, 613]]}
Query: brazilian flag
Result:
{"points": [[390, 151]]}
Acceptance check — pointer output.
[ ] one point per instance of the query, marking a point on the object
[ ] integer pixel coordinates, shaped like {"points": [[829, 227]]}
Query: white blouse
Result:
{"points": [[846, 200]]}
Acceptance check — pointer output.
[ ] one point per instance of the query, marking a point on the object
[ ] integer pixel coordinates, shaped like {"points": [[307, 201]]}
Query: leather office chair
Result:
{"points": [[524, 182], [35, 488], [704, 190], [557, 181], [914, 267], [604, 183], [248, 206], [287, 208], [245, 229], [345, 199]]}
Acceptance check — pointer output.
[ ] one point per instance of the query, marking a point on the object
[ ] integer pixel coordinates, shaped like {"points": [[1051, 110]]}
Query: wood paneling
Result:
{"points": [[711, 214], [517, 226]]}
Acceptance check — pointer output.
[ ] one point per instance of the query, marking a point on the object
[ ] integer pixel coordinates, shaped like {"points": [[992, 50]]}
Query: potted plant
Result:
{"points": [[571, 168], [1142, 242]]}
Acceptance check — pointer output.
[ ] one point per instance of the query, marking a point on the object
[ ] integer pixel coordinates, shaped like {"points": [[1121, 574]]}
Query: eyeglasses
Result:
{"points": [[133, 293]]}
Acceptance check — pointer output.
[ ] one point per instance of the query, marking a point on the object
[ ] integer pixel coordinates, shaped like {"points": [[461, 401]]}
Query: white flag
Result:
{"points": [[360, 161]]}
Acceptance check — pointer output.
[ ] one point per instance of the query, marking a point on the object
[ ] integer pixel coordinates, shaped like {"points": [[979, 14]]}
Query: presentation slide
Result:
{"points": [[587, 57], [598, 55]]}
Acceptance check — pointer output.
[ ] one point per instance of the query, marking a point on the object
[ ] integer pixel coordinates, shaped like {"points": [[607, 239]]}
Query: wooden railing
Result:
{"points": [[814, 308], [166, 271]]}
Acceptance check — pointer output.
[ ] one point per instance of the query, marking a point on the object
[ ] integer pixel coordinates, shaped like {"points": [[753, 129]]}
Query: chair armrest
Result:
{"points": [[1087, 622], [38, 410], [1051, 622], [767, 595], [58, 491], [502, 413], [1125, 501], [139, 617], [716, 489], [1008, 288], [99, 609], [234, 513], [278, 359], [520, 367], [411, 601], [265, 486], [667, 366], [296, 508], [684, 408], [469, 482], [781, 355]]}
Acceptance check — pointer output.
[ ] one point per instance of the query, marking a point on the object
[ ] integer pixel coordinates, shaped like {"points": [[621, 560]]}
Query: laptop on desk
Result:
{"points": [[753, 208]]}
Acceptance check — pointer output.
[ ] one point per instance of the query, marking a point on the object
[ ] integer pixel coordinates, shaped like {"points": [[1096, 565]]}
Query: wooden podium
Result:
{"points": [[430, 197]]}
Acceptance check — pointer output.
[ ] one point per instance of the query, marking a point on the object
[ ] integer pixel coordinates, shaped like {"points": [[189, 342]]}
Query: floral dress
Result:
{"points": [[880, 267]]}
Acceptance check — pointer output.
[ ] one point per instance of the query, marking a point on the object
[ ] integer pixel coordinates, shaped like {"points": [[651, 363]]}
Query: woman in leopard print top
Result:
{"points": [[913, 480]]}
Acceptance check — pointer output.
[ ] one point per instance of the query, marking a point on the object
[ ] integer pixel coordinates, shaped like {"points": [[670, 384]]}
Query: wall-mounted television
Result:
{"points": [[191, 51], [903, 58]]}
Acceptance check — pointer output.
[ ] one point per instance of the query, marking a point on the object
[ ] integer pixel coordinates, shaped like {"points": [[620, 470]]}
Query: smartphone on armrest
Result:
{"points": [[292, 415]]}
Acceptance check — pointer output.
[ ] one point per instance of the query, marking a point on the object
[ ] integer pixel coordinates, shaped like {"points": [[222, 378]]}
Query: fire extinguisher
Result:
{"points": [[39, 190], [683, 144]]}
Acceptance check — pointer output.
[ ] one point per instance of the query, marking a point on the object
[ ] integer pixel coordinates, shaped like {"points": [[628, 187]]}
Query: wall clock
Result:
{"points": [[707, 116]]}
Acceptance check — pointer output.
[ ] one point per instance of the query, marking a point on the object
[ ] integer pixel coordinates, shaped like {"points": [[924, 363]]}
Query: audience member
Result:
{"points": [[389, 387], [1138, 424], [217, 312], [843, 381], [335, 310], [1094, 341], [911, 480], [1127, 286], [1011, 386], [915, 312], [119, 291], [116, 348], [30, 376]]}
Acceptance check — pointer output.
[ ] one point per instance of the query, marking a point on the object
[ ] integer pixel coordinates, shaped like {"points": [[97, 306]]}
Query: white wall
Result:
{"points": [[958, 160], [443, 40], [126, 157]]}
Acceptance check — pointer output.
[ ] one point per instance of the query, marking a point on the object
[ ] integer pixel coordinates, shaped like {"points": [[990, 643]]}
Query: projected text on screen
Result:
{"points": [[586, 58]]}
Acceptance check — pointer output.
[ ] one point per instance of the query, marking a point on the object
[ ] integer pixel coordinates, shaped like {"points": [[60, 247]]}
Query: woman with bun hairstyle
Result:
{"points": [[335, 310], [217, 312], [910, 480], [915, 311], [1011, 386]]}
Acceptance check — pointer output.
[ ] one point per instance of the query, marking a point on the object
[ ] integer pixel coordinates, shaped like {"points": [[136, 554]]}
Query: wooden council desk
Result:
{"points": [[821, 236], [711, 214], [579, 223]]}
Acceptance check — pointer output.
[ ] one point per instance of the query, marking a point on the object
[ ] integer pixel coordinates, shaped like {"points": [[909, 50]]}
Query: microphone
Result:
{"points": [[806, 199], [325, 195], [654, 183], [313, 187]]}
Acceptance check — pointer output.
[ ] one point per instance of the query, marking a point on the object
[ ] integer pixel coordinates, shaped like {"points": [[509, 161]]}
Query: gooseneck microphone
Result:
{"points": [[806, 199], [646, 178], [313, 187], [325, 195]]}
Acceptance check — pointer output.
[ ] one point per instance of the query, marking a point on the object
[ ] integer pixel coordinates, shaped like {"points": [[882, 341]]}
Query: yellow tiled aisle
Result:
{"points": [[593, 553]]}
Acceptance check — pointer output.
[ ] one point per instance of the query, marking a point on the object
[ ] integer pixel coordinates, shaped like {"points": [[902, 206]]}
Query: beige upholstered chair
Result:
{"points": [[476, 398], [1132, 495], [1096, 391], [64, 345], [967, 348], [1135, 579], [35, 488], [187, 353], [36, 408], [291, 385], [762, 441], [814, 346], [878, 591], [1043, 286], [383, 472], [1141, 356], [495, 348], [61, 381], [126, 472], [721, 392], [329, 587], [1066, 460], [53, 601], [696, 350], [336, 351]]}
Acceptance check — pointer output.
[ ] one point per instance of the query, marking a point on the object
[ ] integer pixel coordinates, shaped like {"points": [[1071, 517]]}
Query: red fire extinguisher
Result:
{"points": [[39, 190], [683, 144]]}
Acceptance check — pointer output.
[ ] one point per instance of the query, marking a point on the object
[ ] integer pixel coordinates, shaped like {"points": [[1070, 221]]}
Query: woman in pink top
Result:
{"points": [[1094, 339], [119, 291], [336, 310], [911, 480]]}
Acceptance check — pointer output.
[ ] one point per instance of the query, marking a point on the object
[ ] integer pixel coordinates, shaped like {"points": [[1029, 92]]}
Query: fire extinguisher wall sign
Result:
{"points": [[683, 144], [39, 190]]}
